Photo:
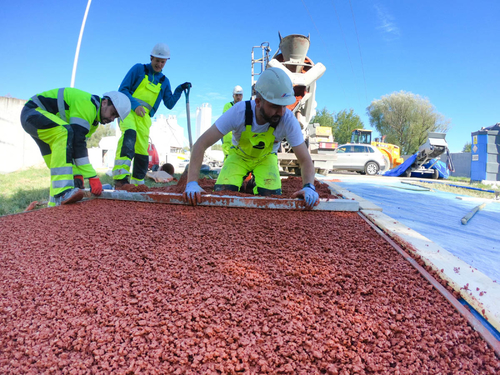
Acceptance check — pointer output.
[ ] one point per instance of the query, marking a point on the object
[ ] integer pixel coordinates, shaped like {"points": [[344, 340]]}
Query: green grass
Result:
{"points": [[19, 189], [444, 186]]}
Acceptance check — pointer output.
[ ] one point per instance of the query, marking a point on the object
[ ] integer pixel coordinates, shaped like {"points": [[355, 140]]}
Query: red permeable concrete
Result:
{"points": [[130, 288]]}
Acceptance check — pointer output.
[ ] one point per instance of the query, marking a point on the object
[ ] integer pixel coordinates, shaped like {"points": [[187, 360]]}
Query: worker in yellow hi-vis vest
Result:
{"points": [[258, 127], [146, 86], [59, 121], [227, 140]]}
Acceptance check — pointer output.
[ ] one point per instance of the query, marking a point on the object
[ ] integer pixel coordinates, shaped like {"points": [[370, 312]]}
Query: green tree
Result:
{"points": [[467, 147], [324, 118], [345, 123], [101, 132], [405, 119]]}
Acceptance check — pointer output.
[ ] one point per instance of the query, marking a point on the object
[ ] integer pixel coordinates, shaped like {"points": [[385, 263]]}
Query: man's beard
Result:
{"points": [[274, 120]]}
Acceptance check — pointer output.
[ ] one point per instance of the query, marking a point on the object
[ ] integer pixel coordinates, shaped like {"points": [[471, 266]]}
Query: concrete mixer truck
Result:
{"points": [[292, 58]]}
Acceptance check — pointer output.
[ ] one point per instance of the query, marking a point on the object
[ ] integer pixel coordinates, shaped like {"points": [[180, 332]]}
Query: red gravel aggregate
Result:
{"points": [[134, 288]]}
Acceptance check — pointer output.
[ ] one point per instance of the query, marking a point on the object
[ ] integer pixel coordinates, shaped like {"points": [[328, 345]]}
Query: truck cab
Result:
{"points": [[362, 136]]}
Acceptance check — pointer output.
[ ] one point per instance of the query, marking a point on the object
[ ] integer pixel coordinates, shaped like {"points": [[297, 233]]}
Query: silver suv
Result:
{"points": [[359, 158]]}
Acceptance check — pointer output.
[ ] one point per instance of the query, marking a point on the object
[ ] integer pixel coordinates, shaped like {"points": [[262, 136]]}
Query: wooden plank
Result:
{"points": [[229, 201]]}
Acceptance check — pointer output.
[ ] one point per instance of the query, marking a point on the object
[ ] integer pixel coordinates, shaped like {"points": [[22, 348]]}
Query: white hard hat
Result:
{"points": [[121, 102], [161, 51], [238, 90], [276, 87]]}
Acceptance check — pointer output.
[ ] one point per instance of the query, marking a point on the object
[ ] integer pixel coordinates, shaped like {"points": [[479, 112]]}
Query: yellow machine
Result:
{"points": [[390, 151]]}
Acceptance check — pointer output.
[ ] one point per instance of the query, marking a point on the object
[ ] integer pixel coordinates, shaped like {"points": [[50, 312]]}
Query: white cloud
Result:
{"points": [[387, 24]]}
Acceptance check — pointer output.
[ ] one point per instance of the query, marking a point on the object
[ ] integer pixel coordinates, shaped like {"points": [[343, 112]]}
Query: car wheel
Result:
{"points": [[371, 168], [435, 174], [408, 172]]}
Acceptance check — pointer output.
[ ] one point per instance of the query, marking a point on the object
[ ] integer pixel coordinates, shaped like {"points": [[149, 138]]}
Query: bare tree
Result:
{"points": [[405, 119]]}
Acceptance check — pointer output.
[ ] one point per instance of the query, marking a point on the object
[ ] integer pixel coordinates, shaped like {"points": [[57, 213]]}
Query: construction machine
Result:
{"points": [[303, 72], [428, 156], [424, 163], [390, 151]]}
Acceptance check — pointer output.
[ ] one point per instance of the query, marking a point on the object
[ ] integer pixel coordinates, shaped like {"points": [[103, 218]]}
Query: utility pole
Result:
{"points": [[75, 63]]}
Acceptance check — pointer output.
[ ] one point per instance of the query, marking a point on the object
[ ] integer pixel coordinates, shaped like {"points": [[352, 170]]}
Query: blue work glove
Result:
{"points": [[309, 194], [192, 193], [185, 86]]}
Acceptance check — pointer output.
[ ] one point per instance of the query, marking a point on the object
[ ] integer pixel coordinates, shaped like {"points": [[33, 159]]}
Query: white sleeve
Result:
{"points": [[293, 133]]}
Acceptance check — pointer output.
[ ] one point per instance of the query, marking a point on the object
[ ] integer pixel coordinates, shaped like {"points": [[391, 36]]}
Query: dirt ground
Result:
{"points": [[140, 288]]}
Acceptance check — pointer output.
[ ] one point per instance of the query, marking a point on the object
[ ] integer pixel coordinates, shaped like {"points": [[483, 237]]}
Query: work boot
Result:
{"points": [[69, 196], [120, 183]]}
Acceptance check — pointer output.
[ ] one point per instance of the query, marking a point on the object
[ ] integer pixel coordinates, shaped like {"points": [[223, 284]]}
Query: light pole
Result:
{"points": [[75, 63]]}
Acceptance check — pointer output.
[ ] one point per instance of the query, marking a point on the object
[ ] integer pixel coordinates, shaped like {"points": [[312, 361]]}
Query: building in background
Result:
{"points": [[203, 120]]}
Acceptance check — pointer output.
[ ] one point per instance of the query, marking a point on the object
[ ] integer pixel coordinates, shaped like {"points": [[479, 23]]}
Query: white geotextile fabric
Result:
{"points": [[437, 215]]}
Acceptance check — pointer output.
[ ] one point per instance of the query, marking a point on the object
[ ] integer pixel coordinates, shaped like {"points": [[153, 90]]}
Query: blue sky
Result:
{"points": [[447, 51]]}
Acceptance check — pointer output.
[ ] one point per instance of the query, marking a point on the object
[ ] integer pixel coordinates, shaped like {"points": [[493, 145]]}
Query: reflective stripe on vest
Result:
{"points": [[58, 184], [123, 162], [118, 172], [82, 161], [37, 101], [60, 104], [79, 121], [144, 104], [58, 171]]}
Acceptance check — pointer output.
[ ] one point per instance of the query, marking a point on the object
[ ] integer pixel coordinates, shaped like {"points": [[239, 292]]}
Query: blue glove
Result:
{"points": [[309, 194], [192, 193]]}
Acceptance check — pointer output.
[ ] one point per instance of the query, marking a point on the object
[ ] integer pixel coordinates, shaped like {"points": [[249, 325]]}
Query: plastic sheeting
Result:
{"points": [[437, 216], [400, 169]]}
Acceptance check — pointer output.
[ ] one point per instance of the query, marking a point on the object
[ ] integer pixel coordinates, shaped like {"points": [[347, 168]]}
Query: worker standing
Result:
{"points": [[227, 140], [258, 127], [146, 86], [59, 121]]}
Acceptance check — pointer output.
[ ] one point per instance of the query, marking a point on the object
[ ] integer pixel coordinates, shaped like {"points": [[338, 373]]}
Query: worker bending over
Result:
{"points": [[59, 121], [227, 140], [258, 127], [146, 86]]}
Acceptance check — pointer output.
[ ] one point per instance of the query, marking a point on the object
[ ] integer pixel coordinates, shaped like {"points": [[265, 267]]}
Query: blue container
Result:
{"points": [[485, 157]]}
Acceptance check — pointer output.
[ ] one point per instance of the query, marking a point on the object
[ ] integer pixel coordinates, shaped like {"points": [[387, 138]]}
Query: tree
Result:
{"points": [[342, 123], [324, 118], [101, 132], [467, 147], [345, 123], [405, 119]]}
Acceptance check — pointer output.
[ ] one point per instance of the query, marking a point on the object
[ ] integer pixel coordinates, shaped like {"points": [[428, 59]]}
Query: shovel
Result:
{"points": [[188, 114]]}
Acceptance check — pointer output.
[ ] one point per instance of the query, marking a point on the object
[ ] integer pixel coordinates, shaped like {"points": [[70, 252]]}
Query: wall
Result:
{"points": [[461, 161], [17, 148]]}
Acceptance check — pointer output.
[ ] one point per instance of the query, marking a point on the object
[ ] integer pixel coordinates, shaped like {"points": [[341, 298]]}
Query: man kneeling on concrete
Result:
{"points": [[59, 121], [258, 127]]}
